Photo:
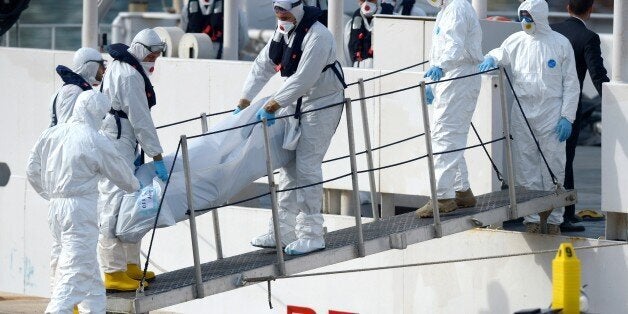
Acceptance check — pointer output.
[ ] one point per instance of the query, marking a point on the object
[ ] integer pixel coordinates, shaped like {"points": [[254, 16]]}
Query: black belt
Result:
{"points": [[339, 75], [117, 114]]}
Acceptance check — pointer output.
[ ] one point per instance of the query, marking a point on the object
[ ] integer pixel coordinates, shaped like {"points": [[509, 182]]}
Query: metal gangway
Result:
{"points": [[363, 239]]}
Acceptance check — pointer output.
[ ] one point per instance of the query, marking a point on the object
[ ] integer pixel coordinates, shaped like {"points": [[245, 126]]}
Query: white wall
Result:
{"points": [[26, 82]]}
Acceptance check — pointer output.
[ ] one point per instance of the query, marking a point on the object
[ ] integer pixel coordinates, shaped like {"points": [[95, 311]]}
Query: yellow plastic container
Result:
{"points": [[566, 280]]}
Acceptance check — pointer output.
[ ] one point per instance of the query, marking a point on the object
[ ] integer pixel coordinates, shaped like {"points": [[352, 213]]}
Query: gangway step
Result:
{"points": [[389, 233]]}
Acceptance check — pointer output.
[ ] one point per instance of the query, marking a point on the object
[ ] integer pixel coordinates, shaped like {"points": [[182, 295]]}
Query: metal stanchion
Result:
{"points": [[200, 293], [506, 129], [430, 162], [354, 179], [369, 152], [273, 199], [217, 237]]}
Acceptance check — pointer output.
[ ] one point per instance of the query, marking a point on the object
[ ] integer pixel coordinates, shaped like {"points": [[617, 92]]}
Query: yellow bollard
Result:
{"points": [[566, 280]]}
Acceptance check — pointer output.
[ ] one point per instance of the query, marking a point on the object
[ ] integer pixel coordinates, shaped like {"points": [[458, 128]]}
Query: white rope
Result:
{"points": [[471, 259]]}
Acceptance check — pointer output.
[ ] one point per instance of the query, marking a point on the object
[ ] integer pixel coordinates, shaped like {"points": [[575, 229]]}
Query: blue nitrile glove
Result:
{"points": [[160, 169], [434, 73], [262, 113], [429, 94], [487, 64], [237, 110], [138, 161], [563, 129]]}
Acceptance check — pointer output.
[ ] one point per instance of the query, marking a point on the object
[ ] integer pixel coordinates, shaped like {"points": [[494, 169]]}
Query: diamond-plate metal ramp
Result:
{"points": [[389, 233]]}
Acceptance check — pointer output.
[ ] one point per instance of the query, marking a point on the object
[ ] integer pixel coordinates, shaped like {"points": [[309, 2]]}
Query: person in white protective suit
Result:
{"points": [[64, 167], [456, 51], [304, 51], [545, 80], [128, 123], [87, 71]]}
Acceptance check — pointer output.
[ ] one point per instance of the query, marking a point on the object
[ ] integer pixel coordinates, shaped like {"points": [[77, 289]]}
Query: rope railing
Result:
{"points": [[451, 261], [152, 236], [351, 84], [349, 174], [536, 141], [335, 178]]}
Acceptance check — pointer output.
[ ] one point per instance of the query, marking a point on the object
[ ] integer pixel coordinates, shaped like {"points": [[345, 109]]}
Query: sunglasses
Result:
{"points": [[161, 47]]}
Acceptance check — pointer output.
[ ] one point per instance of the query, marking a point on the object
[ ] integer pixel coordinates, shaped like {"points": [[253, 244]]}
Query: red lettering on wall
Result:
{"points": [[299, 310]]}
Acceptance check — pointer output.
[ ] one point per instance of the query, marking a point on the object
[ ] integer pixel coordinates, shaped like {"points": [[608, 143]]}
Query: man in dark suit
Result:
{"points": [[586, 46]]}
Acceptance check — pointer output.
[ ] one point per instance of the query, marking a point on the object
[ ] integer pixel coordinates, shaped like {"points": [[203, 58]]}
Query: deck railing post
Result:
{"points": [[354, 179], [200, 293], [273, 199], [509, 163], [216, 221], [430, 162], [369, 151]]}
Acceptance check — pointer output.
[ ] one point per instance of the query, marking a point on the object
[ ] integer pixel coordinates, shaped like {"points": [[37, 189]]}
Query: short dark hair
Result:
{"points": [[580, 7]]}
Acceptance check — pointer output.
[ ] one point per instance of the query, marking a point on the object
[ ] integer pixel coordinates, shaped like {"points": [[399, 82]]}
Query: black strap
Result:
{"points": [[118, 114], [54, 111], [339, 75]]}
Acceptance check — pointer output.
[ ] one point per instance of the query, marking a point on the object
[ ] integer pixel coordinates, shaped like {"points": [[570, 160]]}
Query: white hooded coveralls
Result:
{"points": [[456, 49], [545, 80], [64, 167], [318, 89], [125, 87], [67, 94]]}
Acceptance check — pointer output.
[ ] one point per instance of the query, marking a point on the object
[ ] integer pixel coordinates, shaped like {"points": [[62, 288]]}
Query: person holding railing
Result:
{"points": [[128, 123], [456, 50], [304, 52], [546, 84], [89, 67]]}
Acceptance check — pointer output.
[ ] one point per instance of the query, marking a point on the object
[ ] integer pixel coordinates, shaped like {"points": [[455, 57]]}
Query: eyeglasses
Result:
{"points": [[161, 47], [102, 63]]}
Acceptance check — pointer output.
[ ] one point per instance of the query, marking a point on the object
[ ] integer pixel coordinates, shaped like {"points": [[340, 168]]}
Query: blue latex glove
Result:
{"points": [[237, 110], [487, 64], [262, 113], [434, 73], [160, 169], [429, 94], [563, 129], [138, 161]]}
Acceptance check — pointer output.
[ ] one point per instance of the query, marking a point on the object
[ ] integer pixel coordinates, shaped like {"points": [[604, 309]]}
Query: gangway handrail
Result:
{"points": [[354, 172]]}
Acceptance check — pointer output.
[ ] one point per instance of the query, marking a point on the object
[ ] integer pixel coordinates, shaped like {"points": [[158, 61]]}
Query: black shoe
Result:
{"points": [[568, 226], [574, 219]]}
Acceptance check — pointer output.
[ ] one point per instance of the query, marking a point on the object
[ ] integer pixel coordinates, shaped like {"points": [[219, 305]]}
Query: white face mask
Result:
{"points": [[149, 67], [284, 27], [368, 9], [528, 27]]}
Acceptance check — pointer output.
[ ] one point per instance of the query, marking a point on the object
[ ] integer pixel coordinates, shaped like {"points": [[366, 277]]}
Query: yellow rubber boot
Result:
{"points": [[134, 271], [119, 281]]}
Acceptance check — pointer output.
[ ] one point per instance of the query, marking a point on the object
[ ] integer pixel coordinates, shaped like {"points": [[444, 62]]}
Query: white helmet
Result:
{"points": [[146, 42], [91, 108], [86, 64]]}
